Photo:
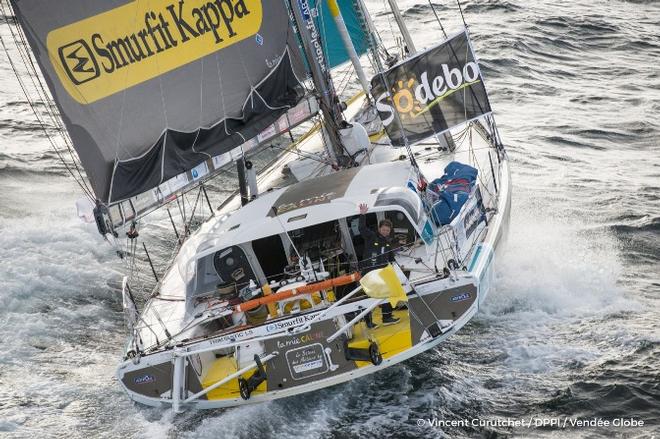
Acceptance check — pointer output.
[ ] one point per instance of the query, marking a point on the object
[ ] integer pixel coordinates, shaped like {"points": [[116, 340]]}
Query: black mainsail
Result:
{"points": [[149, 90]]}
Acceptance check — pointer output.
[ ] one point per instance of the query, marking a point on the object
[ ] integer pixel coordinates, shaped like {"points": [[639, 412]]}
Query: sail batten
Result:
{"points": [[149, 90]]}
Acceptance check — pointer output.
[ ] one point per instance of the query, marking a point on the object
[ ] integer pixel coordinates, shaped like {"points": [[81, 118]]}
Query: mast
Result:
{"points": [[402, 26], [313, 50], [348, 44]]}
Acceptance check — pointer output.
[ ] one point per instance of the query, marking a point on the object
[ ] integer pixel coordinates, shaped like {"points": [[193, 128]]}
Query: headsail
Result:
{"points": [[150, 89], [335, 50], [431, 92]]}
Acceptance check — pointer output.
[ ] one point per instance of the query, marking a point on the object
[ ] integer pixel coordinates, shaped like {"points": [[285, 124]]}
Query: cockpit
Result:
{"points": [[335, 247]]}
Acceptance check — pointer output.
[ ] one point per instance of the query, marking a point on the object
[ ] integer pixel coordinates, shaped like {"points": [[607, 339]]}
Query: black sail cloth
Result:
{"points": [[148, 89], [431, 92]]}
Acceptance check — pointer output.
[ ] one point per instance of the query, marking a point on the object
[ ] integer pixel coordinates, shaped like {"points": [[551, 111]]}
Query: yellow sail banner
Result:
{"points": [[115, 50], [384, 284]]}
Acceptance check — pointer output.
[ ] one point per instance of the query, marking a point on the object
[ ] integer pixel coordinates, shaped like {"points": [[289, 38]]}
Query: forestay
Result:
{"points": [[149, 90], [431, 92]]}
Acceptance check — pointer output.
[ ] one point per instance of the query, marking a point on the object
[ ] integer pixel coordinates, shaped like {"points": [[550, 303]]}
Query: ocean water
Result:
{"points": [[571, 332]]}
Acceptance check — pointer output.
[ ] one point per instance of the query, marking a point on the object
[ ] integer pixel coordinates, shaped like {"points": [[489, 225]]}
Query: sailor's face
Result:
{"points": [[384, 231]]}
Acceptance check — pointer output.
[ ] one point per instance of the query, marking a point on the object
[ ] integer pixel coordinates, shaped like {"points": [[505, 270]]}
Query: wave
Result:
{"points": [[583, 25], [639, 224], [491, 6], [621, 387]]}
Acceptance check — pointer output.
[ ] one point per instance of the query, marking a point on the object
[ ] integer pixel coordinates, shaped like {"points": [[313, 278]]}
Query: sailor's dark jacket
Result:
{"points": [[378, 249]]}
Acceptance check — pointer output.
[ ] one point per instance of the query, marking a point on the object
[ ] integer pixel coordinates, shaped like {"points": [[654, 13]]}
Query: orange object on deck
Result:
{"points": [[324, 285], [272, 309]]}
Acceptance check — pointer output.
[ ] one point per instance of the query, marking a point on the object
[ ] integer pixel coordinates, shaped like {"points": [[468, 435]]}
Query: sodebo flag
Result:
{"points": [[431, 92]]}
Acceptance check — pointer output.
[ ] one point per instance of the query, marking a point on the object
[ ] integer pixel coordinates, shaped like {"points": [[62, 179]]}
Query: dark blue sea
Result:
{"points": [[571, 334]]}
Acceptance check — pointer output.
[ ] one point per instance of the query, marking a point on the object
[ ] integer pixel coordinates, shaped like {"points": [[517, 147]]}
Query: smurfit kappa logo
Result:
{"points": [[110, 52], [79, 62]]}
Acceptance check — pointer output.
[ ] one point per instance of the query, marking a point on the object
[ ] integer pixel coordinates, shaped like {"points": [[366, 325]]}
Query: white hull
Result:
{"points": [[177, 362]]}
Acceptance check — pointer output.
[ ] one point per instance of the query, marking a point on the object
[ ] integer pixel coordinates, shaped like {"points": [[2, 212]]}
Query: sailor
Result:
{"points": [[378, 253]]}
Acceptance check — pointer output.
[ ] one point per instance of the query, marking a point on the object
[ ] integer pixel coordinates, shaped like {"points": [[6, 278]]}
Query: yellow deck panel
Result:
{"points": [[391, 339], [219, 370]]}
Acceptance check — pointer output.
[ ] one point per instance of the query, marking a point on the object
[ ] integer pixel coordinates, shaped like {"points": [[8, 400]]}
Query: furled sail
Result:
{"points": [[151, 89], [431, 92]]}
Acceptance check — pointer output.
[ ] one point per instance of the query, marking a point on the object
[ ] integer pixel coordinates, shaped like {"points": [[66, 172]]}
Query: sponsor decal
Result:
{"points": [[308, 15], [295, 341], [431, 92], [415, 96], [306, 361], [460, 297], [472, 220], [144, 379], [427, 232], [233, 337], [278, 326], [78, 62], [475, 216], [118, 49], [311, 201], [199, 171]]}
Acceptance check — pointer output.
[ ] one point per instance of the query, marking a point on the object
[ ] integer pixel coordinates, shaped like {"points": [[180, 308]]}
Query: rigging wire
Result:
{"points": [[437, 18], [23, 50], [460, 9], [82, 185], [303, 155], [38, 85]]}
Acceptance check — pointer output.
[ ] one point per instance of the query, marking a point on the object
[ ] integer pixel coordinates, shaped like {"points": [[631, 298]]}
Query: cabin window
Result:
{"points": [[279, 260], [233, 268], [271, 256], [403, 231], [317, 240]]}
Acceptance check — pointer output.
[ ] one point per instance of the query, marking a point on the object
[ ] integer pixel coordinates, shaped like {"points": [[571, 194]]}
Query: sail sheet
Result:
{"points": [[150, 89], [431, 92]]}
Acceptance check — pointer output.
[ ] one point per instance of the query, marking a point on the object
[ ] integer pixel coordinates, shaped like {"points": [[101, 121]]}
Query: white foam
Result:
{"points": [[553, 277]]}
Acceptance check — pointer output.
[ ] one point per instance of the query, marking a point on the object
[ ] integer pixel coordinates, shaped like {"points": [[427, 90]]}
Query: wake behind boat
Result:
{"points": [[373, 246]]}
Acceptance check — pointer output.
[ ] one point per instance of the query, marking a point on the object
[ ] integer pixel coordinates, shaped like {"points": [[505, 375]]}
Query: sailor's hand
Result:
{"points": [[363, 209]]}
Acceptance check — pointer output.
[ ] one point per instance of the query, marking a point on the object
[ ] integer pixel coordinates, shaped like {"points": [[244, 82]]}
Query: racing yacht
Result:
{"points": [[280, 291]]}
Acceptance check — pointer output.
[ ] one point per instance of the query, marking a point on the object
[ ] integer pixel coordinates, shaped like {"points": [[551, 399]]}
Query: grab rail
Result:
{"points": [[307, 325], [356, 319], [281, 295], [228, 378]]}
